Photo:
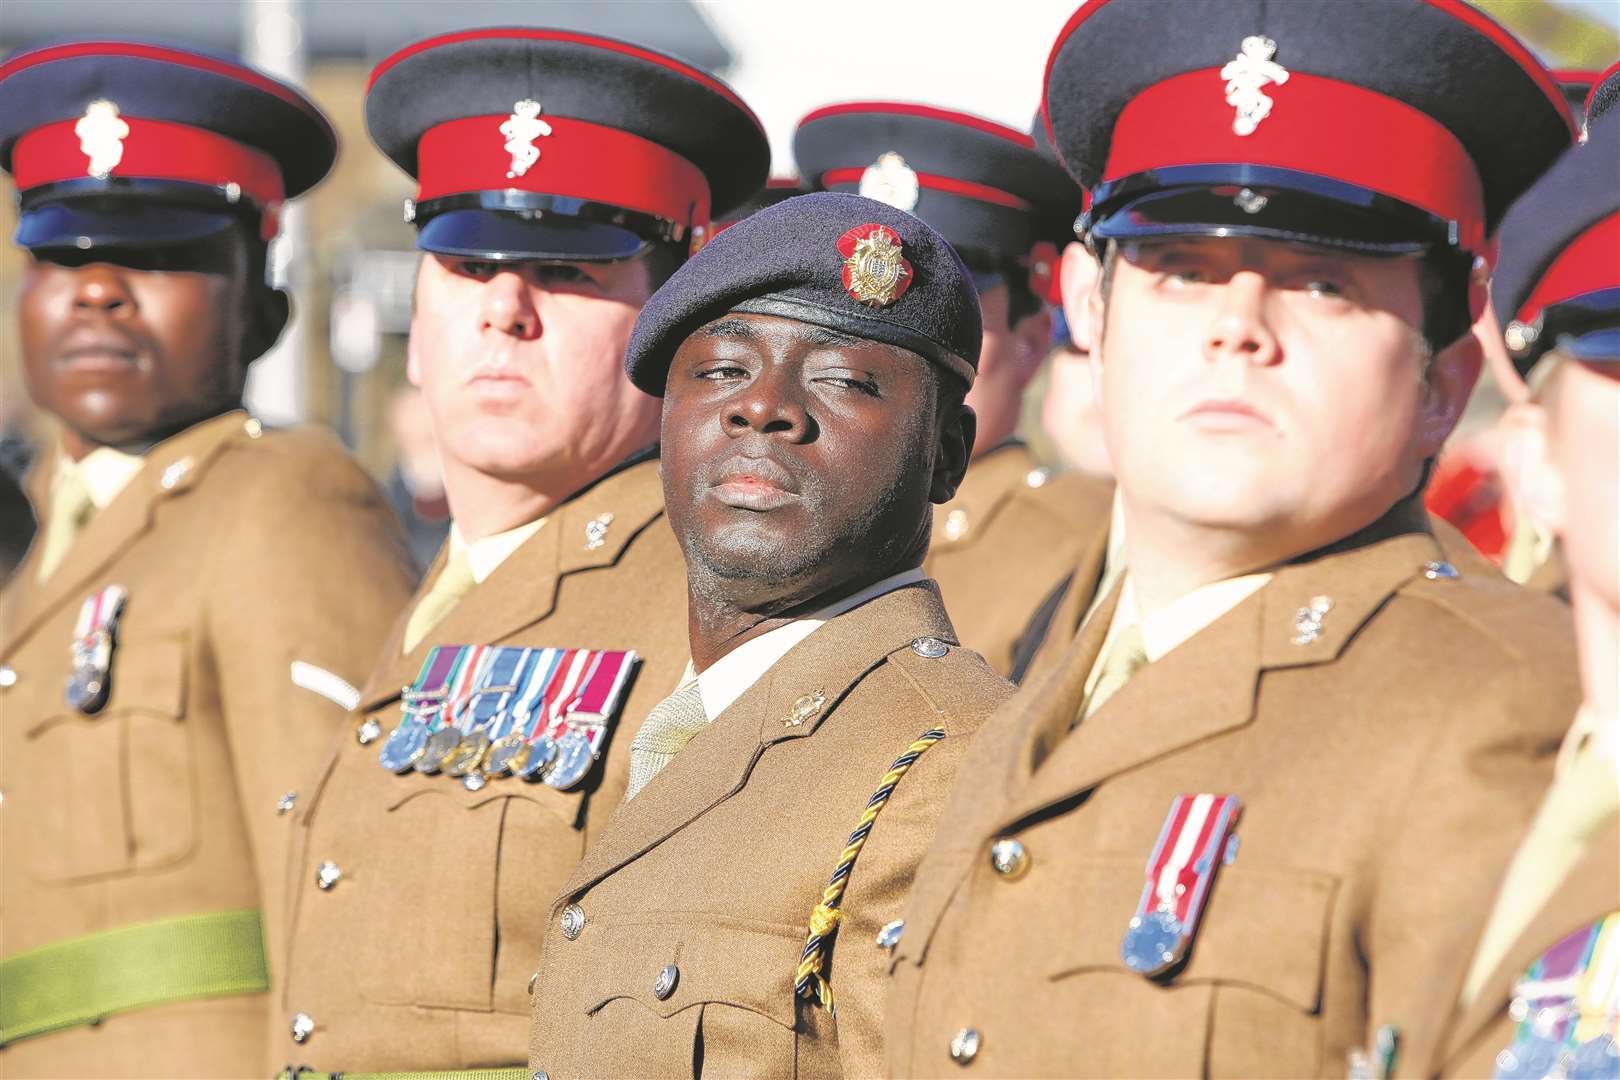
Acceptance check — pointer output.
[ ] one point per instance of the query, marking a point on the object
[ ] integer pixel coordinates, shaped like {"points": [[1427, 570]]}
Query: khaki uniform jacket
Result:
{"points": [[1011, 535], [715, 867], [262, 550], [419, 957], [1474, 1036], [1386, 768]]}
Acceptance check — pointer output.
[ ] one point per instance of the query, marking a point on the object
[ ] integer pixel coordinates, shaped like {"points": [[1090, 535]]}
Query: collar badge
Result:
{"points": [[890, 180], [1247, 75], [101, 133], [875, 272], [521, 129]]}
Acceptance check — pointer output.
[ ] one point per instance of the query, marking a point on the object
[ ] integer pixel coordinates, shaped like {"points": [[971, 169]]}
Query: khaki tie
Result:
{"points": [[1125, 657], [665, 732], [71, 507], [454, 581], [1581, 799]]}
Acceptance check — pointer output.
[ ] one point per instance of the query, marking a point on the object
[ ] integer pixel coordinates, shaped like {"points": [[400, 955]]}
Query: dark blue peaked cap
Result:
{"points": [[128, 143], [1557, 282], [840, 261]]}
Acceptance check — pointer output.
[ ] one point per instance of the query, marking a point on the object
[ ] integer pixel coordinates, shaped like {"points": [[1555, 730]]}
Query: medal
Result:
{"points": [[541, 755], [93, 638], [506, 754], [509, 744], [419, 703], [1189, 850], [573, 761], [442, 742], [588, 717], [1568, 1009], [487, 715]]}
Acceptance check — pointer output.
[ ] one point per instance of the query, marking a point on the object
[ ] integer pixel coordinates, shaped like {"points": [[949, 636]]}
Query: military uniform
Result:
{"points": [[261, 568], [419, 899], [1011, 534], [1382, 784], [693, 906], [1013, 530]]}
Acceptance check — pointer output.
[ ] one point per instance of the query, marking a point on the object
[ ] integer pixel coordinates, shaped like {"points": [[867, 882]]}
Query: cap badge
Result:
{"points": [[890, 180], [1247, 75], [521, 129], [875, 271], [101, 133]]}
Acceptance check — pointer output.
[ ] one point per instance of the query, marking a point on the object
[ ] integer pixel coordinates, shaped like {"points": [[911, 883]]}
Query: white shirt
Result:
{"points": [[487, 553], [106, 472], [729, 677]]}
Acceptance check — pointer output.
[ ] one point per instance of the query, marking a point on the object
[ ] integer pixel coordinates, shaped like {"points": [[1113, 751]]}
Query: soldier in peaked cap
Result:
{"points": [[1270, 784], [1541, 994], [1014, 529], [561, 178], [812, 362], [182, 638]]}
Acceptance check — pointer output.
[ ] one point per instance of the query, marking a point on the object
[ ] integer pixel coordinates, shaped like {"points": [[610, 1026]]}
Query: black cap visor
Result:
{"points": [[1270, 203], [129, 216], [513, 225]]}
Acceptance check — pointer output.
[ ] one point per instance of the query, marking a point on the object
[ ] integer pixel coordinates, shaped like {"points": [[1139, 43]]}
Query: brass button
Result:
{"points": [[930, 647], [965, 1046], [1009, 858], [572, 922], [664, 985]]}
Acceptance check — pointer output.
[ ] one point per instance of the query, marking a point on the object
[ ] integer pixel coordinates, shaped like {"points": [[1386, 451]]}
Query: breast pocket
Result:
{"points": [[702, 1000], [1246, 1001], [114, 792]]}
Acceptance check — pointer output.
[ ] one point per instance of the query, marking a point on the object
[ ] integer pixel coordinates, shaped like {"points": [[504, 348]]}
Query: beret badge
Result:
{"points": [[875, 270]]}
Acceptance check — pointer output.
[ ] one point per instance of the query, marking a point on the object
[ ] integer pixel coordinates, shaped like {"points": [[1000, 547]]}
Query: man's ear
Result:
{"points": [[1534, 484], [1079, 282], [1447, 388], [955, 449], [269, 311]]}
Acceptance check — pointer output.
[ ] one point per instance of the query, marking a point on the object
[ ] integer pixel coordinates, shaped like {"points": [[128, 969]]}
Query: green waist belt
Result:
{"points": [[83, 979], [453, 1074]]}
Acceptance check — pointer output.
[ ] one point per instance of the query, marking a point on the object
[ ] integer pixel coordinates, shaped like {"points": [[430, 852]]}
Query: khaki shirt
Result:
{"points": [[697, 899], [1386, 764], [242, 552], [419, 957], [1010, 536]]}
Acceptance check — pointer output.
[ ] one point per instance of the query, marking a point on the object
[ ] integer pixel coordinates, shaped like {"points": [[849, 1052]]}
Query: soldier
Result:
{"points": [[813, 361], [1541, 996], [561, 178], [181, 641], [1268, 786], [1014, 529]]}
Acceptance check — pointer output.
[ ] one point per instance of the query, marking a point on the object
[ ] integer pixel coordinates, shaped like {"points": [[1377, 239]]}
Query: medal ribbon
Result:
{"points": [[97, 614], [598, 695], [1549, 988], [461, 691], [571, 670], [495, 688], [1185, 857], [425, 699], [527, 709]]}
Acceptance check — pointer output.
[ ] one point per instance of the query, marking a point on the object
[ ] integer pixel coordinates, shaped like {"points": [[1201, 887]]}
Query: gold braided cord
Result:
{"points": [[826, 916]]}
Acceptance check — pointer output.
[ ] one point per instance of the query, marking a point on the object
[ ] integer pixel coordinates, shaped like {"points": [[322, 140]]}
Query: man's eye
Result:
{"points": [[1328, 290], [1185, 275], [720, 372], [560, 274], [852, 382], [482, 269]]}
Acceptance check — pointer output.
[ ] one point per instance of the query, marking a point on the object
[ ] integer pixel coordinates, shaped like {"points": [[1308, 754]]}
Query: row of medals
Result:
{"points": [[474, 757]]}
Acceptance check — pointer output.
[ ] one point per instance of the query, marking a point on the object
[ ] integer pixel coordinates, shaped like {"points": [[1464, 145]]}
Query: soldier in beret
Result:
{"points": [[1015, 529], [1541, 995], [561, 178], [1268, 787], [182, 641], [734, 917]]}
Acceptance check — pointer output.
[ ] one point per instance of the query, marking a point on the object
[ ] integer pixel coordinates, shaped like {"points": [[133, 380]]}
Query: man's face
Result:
{"points": [[1271, 389], [130, 346], [797, 459], [1585, 447], [521, 364], [1009, 357]]}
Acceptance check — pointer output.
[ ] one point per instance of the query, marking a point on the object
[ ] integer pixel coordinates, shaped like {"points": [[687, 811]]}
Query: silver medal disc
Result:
{"points": [[541, 755], [440, 745], [573, 761], [403, 746], [1153, 943], [87, 689], [1528, 1059], [1595, 1059]]}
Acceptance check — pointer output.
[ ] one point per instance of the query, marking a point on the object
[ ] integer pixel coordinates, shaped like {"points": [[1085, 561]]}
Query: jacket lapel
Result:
{"points": [[172, 468], [716, 763], [1589, 892]]}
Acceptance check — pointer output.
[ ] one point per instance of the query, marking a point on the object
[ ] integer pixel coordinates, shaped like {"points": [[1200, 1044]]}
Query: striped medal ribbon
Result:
{"points": [[1195, 839], [484, 713], [545, 725], [419, 705], [511, 752], [1567, 1008], [450, 724], [92, 648], [586, 717]]}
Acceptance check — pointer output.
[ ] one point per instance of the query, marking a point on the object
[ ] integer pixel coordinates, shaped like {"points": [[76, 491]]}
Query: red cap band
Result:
{"points": [[1316, 125], [1589, 263], [934, 182], [152, 150], [578, 160]]}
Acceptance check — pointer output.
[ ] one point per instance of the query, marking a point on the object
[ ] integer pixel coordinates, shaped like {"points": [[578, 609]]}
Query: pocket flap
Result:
{"points": [[1262, 928], [746, 965]]}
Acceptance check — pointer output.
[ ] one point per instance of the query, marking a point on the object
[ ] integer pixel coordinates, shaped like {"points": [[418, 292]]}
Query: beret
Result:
{"points": [[840, 261], [1335, 122], [1557, 281], [543, 143], [984, 186], [131, 143]]}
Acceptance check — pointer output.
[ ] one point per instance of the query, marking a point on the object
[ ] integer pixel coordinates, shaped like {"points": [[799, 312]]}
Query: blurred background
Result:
{"points": [[347, 253]]}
